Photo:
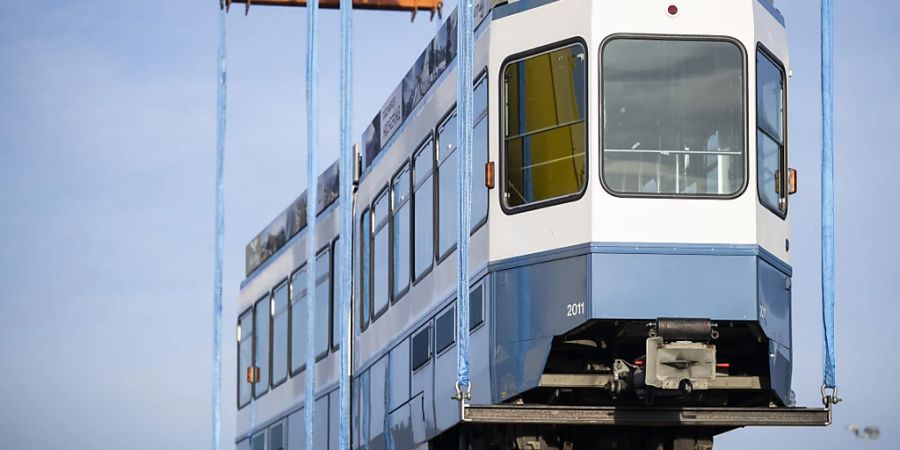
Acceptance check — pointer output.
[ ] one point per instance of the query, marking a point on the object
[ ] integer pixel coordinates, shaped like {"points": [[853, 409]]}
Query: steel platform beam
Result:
{"points": [[724, 417]]}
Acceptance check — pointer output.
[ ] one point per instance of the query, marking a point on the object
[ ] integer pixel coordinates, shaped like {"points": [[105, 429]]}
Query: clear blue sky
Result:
{"points": [[107, 136]]}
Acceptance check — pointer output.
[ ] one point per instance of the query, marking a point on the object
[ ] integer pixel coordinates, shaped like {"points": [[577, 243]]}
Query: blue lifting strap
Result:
{"points": [[466, 39], [312, 168], [828, 363], [220, 239], [346, 242]]}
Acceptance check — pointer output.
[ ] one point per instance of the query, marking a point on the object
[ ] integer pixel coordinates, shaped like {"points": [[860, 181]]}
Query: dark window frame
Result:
{"points": [[292, 373], [242, 375], [365, 240], [375, 315], [322, 250], [392, 210], [762, 50], [485, 115], [521, 56], [265, 298], [483, 286], [421, 148], [287, 310], [439, 159], [334, 308], [426, 328], [451, 310], [284, 435], [261, 434], [746, 114]]}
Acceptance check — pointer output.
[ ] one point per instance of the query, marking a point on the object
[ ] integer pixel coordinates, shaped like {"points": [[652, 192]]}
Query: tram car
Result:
{"points": [[633, 250]]}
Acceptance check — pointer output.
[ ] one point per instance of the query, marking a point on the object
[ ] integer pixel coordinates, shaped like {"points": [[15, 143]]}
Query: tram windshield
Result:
{"points": [[673, 117]]}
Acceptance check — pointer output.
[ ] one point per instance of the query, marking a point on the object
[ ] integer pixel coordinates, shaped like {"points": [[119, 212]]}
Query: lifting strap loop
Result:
{"points": [[312, 168], [220, 237], [465, 37], [828, 290]]}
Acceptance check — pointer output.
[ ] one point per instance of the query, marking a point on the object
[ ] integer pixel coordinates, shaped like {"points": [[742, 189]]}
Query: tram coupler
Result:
{"points": [[679, 355]]}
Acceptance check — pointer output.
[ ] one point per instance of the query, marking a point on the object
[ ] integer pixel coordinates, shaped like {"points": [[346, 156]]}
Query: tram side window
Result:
{"points": [[259, 441], [336, 294], [673, 117], [423, 202], [298, 320], [447, 196], [380, 256], [280, 334], [476, 307], [277, 437], [261, 340], [355, 274], [245, 357], [544, 133], [444, 330], [770, 142], [401, 232], [365, 260], [421, 348], [479, 154], [323, 302]]}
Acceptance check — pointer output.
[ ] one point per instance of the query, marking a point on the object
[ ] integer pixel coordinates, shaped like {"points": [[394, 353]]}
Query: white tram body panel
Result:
{"points": [[610, 218]]}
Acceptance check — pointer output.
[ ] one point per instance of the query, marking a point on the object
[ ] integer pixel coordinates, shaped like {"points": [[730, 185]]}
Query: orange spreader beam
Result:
{"points": [[390, 5]]}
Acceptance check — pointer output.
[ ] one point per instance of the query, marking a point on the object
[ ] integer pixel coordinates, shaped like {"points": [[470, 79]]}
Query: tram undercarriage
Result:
{"points": [[666, 384], [666, 362]]}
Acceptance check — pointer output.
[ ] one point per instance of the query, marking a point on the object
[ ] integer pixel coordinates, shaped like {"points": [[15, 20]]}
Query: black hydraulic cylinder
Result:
{"points": [[684, 329]]}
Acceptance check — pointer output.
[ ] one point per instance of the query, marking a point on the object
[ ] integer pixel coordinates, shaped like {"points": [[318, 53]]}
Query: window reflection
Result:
{"points": [[401, 230], [336, 295], [380, 256], [544, 132], [261, 343], [323, 302], [448, 173], [365, 246], [424, 209], [770, 148], [298, 320], [479, 155], [280, 334], [673, 117], [245, 356]]}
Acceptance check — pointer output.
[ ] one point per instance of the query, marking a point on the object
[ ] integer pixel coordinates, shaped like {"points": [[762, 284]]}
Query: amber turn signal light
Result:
{"points": [[489, 175], [253, 375], [792, 181]]}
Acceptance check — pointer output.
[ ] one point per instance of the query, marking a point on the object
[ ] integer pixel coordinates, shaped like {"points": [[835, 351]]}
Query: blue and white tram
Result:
{"points": [[634, 250]]}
